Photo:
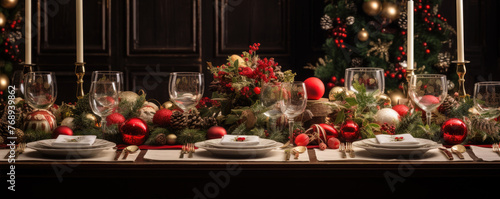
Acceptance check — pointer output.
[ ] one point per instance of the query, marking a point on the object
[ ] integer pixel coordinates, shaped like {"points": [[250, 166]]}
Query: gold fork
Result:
{"points": [[190, 150], [342, 150], [183, 151], [351, 150], [20, 149]]}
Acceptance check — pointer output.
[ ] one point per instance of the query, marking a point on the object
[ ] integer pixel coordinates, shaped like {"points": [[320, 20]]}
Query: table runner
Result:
{"points": [[276, 155], [486, 154], [107, 155], [363, 155]]}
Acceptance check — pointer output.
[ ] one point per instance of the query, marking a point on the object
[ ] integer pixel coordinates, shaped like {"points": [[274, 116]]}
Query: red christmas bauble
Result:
{"points": [[321, 132], [429, 100], [256, 90], [215, 132], [302, 140], [62, 130], [162, 117], [134, 131], [40, 120], [333, 143], [401, 109], [349, 131], [454, 131], [115, 118], [315, 88]]}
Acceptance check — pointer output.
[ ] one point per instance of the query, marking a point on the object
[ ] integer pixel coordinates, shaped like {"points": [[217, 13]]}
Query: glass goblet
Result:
{"points": [[40, 89], [428, 91], [372, 78], [186, 89], [114, 76], [103, 97], [294, 104], [487, 99], [271, 95]]}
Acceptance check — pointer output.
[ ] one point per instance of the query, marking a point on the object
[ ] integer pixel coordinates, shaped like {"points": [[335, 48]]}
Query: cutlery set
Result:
{"points": [[187, 149], [346, 148]]}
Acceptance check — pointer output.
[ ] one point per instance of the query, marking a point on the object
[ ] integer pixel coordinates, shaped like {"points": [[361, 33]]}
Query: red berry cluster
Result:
{"points": [[254, 48], [10, 48], [388, 129], [398, 72], [339, 33], [240, 139], [207, 102], [399, 138], [334, 81], [430, 19]]}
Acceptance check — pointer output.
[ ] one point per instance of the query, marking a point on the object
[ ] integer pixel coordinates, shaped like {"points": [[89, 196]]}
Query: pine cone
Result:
{"points": [[209, 122], [178, 120], [448, 105], [490, 127], [4, 132], [161, 139], [195, 121]]}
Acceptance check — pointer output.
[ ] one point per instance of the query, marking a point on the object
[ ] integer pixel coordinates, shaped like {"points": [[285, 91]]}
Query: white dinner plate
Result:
{"points": [[69, 153], [237, 152], [373, 142], [382, 151], [264, 143], [98, 143]]}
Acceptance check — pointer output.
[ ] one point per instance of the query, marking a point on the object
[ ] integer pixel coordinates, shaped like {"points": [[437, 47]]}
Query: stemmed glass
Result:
{"points": [[103, 97], [271, 96], [18, 81], [428, 91], [487, 99], [372, 78], [294, 103], [186, 89], [40, 89], [113, 76]]}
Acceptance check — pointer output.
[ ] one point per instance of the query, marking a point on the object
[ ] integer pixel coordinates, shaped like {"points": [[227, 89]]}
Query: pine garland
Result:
{"points": [[191, 136], [155, 132]]}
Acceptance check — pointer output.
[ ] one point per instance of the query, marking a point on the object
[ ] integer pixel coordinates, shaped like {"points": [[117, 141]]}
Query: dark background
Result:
{"points": [[148, 39]]}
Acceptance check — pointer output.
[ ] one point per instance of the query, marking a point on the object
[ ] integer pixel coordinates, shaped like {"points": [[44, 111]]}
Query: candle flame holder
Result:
{"points": [[80, 72], [27, 67], [461, 70]]}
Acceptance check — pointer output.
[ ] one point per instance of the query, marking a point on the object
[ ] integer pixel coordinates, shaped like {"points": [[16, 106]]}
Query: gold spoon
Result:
{"points": [[458, 149], [130, 149]]}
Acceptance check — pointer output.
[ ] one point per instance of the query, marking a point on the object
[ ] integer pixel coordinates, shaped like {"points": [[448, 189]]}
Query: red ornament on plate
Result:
{"points": [[454, 131], [134, 131], [349, 131], [215, 132], [62, 130], [315, 88]]}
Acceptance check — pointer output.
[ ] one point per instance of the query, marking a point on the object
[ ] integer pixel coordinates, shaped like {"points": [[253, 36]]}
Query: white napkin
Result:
{"points": [[69, 140], [385, 139], [232, 140], [487, 154]]}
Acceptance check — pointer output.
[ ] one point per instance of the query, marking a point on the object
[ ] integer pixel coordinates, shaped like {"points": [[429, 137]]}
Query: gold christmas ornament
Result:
{"points": [[171, 138], [381, 49], [3, 20], [363, 35], [395, 96], [93, 118], [4, 82], [390, 11], [241, 62], [385, 98], [8, 4], [334, 91], [372, 7]]}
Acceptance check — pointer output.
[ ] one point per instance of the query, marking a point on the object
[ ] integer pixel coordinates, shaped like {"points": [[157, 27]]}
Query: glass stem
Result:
{"points": [[290, 127], [429, 115], [103, 125]]}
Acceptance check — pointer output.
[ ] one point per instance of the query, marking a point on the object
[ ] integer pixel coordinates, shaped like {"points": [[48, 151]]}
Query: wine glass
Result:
{"points": [[103, 97], [294, 103], [487, 99], [114, 76], [271, 96], [18, 82], [372, 78], [40, 89], [428, 91], [186, 89]]}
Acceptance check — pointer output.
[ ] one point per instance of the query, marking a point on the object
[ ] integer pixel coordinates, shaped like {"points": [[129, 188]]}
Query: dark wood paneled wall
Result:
{"points": [[148, 39]]}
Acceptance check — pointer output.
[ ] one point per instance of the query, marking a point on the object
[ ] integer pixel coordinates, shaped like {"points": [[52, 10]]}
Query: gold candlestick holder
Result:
{"points": [[27, 68], [409, 73], [80, 72], [461, 70]]}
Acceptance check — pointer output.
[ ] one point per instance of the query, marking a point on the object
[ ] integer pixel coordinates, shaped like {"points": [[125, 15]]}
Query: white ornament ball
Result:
{"points": [[387, 115], [68, 121], [40, 120], [128, 96], [147, 113], [151, 104]]}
